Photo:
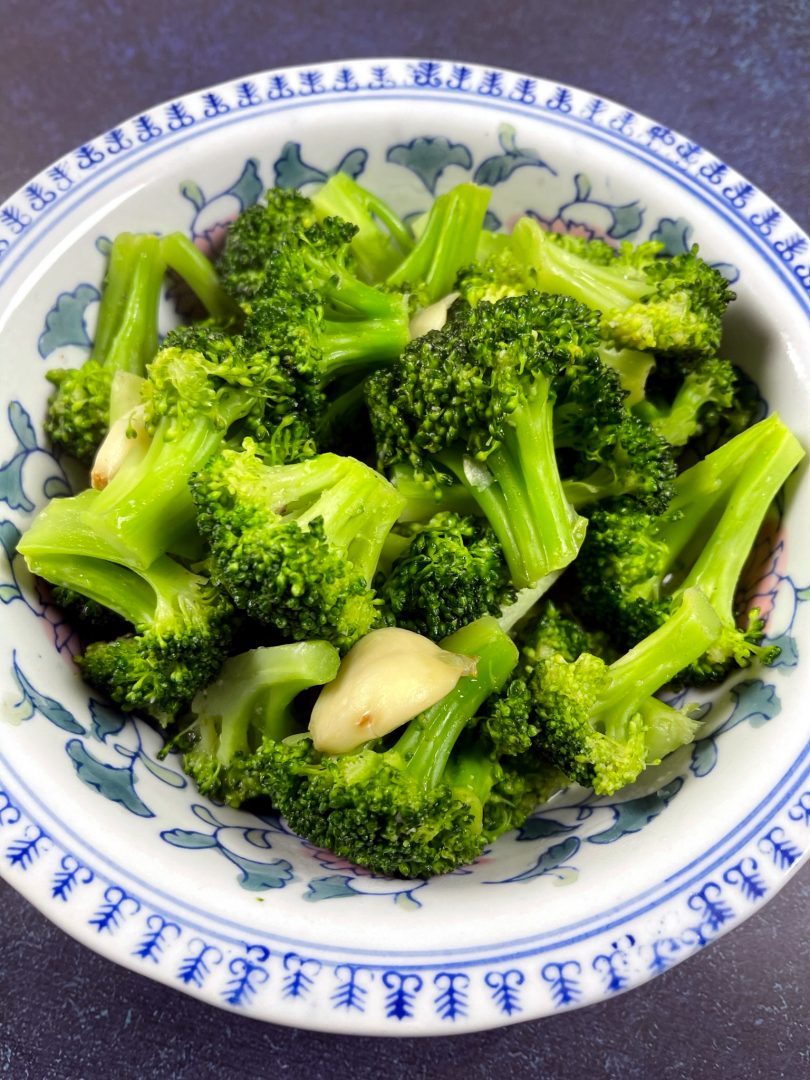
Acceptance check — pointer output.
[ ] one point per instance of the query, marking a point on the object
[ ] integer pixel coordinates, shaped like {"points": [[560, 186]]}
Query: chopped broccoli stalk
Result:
{"points": [[184, 257], [478, 398], [447, 243], [418, 808], [633, 368], [126, 339], [451, 572], [635, 566], [377, 251], [424, 499], [182, 626], [595, 722], [250, 701], [297, 545]]}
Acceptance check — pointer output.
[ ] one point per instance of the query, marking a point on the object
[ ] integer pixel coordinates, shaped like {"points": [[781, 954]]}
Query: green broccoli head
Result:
{"points": [[297, 546], [78, 413], [255, 234], [452, 572], [647, 301]]}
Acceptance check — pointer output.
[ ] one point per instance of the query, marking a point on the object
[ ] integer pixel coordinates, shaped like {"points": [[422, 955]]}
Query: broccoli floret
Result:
{"points": [[126, 339], [250, 702], [297, 545], [647, 302], [478, 398], [705, 394], [419, 807], [635, 460], [424, 498], [314, 313], [192, 400], [451, 572], [599, 723], [634, 566], [182, 628], [255, 234], [447, 242], [382, 238]]}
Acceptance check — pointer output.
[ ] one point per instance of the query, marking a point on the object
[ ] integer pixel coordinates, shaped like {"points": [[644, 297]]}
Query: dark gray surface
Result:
{"points": [[732, 76]]}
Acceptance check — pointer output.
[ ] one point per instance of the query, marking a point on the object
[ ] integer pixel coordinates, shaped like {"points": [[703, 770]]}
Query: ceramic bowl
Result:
{"points": [[592, 896]]}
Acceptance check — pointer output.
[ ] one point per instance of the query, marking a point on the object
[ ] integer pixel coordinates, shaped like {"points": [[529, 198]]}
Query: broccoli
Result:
{"points": [[419, 806], [667, 305], [635, 566], [489, 398], [313, 312], [182, 628], [187, 261], [297, 545], [451, 572], [126, 340], [599, 723], [250, 701], [703, 395], [447, 243], [377, 250], [253, 237]]}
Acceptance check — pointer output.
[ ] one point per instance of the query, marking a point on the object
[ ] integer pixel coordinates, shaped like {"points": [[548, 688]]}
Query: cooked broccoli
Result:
{"points": [[599, 723], [382, 238], [297, 546], [182, 627], [126, 339], [634, 566], [647, 302], [492, 397], [313, 312], [253, 237], [187, 261], [702, 396], [447, 243], [250, 702], [451, 572], [420, 806]]}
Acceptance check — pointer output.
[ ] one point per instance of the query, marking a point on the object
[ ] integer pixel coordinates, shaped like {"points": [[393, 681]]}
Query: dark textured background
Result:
{"points": [[734, 77]]}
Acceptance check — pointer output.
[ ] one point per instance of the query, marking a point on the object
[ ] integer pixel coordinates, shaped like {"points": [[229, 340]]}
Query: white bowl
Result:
{"points": [[594, 896]]}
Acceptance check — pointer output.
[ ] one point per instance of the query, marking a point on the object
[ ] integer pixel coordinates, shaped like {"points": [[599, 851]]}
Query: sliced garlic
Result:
{"points": [[386, 679], [433, 317]]}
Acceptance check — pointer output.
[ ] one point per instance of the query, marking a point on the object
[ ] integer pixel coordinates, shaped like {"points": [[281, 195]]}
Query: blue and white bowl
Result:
{"points": [[592, 896]]}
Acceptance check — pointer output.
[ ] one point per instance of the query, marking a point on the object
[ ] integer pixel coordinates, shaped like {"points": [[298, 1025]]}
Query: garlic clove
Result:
{"points": [[387, 678]]}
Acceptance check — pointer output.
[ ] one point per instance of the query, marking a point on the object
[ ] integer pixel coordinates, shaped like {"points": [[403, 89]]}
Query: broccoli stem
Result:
{"points": [[428, 740], [742, 476], [448, 242], [376, 253], [522, 496], [654, 662], [184, 257], [145, 598], [718, 568], [126, 337], [360, 345], [252, 696]]}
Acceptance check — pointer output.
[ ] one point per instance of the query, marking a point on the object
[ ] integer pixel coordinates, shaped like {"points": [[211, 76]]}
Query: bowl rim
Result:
{"points": [[710, 179]]}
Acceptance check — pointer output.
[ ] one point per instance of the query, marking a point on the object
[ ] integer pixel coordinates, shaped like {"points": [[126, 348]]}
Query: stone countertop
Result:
{"points": [[732, 77]]}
